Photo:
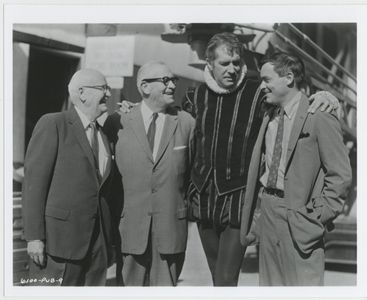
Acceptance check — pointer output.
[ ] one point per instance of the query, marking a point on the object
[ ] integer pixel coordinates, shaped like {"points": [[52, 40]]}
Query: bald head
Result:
{"points": [[84, 77], [89, 92], [153, 69]]}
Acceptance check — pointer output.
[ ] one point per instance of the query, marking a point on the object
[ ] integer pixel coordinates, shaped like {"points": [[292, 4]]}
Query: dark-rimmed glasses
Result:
{"points": [[104, 88], [165, 80]]}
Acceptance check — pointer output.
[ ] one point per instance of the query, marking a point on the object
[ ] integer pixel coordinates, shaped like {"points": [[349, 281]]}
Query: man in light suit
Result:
{"points": [[67, 182], [306, 174], [152, 154]]}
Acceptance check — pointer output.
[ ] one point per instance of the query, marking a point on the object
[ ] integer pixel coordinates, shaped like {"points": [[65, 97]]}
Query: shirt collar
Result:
{"points": [[291, 108], [214, 86], [83, 118], [147, 112]]}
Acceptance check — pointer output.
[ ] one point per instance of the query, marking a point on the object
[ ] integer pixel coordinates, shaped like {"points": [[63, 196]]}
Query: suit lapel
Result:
{"points": [[253, 173], [169, 128], [297, 127], [257, 151], [137, 124], [79, 132], [262, 131], [258, 148]]}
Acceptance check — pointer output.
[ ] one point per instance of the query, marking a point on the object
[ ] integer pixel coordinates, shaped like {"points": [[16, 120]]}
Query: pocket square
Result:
{"points": [[179, 147]]}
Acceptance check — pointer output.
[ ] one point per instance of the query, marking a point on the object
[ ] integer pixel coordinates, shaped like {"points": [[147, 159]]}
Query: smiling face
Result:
{"points": [[158, 93], [95, 99], [89, 92], [225, 67], [275, 87]]}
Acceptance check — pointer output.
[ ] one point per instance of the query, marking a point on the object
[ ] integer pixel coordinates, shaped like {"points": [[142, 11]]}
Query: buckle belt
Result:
{"points": [[274, 192]]}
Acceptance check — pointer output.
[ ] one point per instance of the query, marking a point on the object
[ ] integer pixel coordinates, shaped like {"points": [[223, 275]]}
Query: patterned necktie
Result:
{"points": [[151, 131], [277, 153], [94, 142]]}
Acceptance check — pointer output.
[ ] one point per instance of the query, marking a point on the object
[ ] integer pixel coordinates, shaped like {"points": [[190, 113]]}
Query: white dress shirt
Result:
{"points": [[290, 111], [102, 152], [147, 114]]}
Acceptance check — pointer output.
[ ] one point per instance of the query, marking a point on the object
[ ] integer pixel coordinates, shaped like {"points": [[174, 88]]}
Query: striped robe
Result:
{"points": [[226, 130]]}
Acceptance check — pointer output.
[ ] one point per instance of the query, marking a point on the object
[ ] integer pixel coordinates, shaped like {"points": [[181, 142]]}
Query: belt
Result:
{"points": [[274, 192]]}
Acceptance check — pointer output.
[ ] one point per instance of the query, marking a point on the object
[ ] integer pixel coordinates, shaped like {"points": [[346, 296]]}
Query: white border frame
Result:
{"points": [[186, 14]]}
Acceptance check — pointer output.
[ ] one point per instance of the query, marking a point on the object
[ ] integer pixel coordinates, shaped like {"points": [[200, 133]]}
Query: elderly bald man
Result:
{"points": [[152, 155], [67, 182]]}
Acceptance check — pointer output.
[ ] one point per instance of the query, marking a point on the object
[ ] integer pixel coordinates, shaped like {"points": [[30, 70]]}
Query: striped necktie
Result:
{"points": [[277, 152]]}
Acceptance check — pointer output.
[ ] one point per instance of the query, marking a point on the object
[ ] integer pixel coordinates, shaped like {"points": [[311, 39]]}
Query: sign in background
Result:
{"points": [[112, 55]]}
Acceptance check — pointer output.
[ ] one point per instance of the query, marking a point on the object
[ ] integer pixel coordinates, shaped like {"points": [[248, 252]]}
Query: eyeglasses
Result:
{"points": [[104, 88], [165, 80]]}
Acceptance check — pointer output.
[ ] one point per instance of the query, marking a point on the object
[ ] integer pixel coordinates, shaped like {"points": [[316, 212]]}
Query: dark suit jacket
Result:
{"points": [[317, 176], [154, 188], [61, 192], [116, 200]]}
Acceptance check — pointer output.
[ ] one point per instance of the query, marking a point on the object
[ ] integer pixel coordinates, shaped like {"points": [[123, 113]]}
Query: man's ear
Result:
{"points": [[145, 88], [209, 64], [81, 93], [290, 79]]}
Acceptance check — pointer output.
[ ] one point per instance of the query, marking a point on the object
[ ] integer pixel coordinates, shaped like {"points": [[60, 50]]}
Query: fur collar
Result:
{"points": [[213, 85]]}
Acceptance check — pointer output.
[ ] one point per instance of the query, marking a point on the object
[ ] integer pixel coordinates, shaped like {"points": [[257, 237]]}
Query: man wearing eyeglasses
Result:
{"points": [[67, 183], [152, 155]]}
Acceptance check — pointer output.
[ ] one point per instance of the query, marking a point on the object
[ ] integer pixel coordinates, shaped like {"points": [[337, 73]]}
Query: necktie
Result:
{"points": [[94, 142], [277, 153], [151, 131]]}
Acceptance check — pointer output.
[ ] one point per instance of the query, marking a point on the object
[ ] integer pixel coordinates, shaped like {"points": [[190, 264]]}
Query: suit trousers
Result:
{"points": [[280, 262], [152, 268], [223, 251], [89, 271]]}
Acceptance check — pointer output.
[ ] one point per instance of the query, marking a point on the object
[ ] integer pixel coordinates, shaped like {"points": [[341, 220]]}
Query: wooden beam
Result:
{"points": [[36, 40]]}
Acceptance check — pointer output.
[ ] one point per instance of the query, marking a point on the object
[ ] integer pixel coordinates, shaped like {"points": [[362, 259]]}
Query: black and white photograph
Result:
{"points": [[174, 151]]}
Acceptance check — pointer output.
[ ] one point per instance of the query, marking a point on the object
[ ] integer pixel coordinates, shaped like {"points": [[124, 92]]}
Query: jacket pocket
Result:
{"points": [[57, 213], [305, 229]]}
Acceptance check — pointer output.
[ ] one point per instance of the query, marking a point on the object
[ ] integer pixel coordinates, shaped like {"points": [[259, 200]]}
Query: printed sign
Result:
{"points": [[113, 56]]}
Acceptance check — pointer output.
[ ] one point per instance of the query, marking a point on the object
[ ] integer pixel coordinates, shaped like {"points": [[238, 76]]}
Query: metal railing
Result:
{"points": [[314, 61], [320, 50], [335, 78]]}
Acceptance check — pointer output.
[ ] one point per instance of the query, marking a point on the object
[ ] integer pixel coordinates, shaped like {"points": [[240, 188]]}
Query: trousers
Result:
{"points": [[89, 271], [152, 268], [280, 262]]}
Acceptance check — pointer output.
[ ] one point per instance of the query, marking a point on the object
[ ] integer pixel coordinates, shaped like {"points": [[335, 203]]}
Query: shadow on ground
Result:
{"points": [[341, 268], [250, 264]]}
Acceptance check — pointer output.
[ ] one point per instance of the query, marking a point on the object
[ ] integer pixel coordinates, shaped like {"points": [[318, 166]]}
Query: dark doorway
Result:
{"points": [[48, 76]]}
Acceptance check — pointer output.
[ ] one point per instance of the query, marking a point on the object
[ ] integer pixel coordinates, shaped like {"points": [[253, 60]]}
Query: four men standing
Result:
{"points": [[157, 148]]}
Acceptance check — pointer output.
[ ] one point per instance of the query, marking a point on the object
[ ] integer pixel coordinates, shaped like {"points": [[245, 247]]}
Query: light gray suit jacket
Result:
{"points": [[317, 176], [154, 191]]}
